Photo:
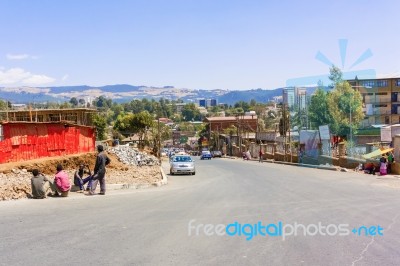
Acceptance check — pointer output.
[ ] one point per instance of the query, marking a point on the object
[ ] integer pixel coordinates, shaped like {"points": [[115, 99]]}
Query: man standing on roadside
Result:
{"points": [[41, 185], [99, 173], [260, 154]]}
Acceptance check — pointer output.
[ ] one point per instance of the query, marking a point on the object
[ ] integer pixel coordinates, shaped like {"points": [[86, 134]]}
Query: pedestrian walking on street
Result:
{"points": [[260, 156], [99, 173]]}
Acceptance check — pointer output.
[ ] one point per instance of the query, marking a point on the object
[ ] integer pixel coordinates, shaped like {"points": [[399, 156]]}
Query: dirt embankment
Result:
{"points": [[15, 178]]}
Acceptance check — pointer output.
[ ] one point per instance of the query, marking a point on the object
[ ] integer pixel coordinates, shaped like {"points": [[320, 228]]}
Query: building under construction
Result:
{"points": [[33, 134], [78, 116]]}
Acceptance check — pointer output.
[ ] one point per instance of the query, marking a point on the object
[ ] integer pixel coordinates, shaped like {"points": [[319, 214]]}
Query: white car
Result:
{"points": [[182, 164]]}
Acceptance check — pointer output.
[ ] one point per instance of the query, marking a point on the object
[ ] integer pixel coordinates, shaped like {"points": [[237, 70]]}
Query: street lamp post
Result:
{"points": [[351, 130]]}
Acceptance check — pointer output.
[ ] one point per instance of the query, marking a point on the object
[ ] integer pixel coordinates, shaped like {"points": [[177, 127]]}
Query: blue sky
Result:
{"points": [[203, 44]]}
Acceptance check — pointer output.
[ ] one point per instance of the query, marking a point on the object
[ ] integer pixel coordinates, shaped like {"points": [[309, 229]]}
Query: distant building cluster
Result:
{"points": [[295, 97], [208, 103]]}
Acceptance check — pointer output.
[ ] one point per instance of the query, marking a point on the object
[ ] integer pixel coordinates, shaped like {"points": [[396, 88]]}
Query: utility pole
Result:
{"points": [[159, 139], [290, 141], [284, 129]]}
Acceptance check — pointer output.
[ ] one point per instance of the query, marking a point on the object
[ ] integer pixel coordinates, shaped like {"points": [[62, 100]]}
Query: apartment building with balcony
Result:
{"points": [[381, 99]]}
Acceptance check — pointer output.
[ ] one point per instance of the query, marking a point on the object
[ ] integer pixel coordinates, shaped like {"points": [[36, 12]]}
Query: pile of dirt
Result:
{"points": [[15, 177]]}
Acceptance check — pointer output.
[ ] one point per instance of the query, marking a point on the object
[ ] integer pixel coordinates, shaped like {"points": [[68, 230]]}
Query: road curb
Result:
{"points": [[322, 167], [164, 180]]}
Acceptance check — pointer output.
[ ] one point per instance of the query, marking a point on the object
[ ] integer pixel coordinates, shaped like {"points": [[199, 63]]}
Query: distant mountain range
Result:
{"points": [[125, 93]]}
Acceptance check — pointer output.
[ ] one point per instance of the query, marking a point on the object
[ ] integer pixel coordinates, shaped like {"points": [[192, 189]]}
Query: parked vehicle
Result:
{"points": [[182, 164], [205, 155], [216, 154]]}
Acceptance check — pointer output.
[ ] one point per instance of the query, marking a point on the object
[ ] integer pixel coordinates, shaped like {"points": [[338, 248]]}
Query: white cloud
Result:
{"points": [[21, 56], [20, 76], [65, 77], [37, 80]]}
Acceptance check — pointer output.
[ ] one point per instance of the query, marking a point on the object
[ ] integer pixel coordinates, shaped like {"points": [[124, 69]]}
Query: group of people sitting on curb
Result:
{"points": [[42, 187], [384, 167]]}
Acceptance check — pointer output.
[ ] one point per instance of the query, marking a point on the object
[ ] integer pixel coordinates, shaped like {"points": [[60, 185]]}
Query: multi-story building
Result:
{"points": [[295, 97], [179, 107], [302, 98], [289, 96], [213, 102], [207, 102], [202, 103], [381, 99]]}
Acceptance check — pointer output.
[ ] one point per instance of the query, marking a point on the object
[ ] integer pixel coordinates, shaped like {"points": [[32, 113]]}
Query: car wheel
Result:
{"points": [[171, 173], [193, 173]]}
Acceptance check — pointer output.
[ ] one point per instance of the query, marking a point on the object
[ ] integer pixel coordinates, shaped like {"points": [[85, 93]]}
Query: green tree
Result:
{"points": [[335, 75], [135, 106], [117, 109], [345, 107], [190, 112], [185, 126], [100, 122], [160, 133], [3, 105], [318, 111], [242, 104], [102, 102], [73, 101], [82, 102], [239, 110], [231, 130], [135, 123], [271, 120], [65, 105]]}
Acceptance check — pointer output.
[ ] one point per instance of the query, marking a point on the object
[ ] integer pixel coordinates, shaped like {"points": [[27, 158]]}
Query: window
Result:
{"points": [[381, 93], [397, 82], [1, 133], [382, 83], [374, 83], [367, 83]]}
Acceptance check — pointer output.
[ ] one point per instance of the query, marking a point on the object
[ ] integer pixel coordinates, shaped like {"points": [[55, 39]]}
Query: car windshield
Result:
{"points": [[206, 152], [182, 159]]}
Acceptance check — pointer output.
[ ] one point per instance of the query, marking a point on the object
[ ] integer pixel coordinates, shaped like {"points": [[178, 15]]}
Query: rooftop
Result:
{"points": [[230, 118]]}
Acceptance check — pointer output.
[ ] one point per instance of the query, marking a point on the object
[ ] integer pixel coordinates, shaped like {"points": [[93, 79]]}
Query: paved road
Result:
{"points": [[151, 226]]}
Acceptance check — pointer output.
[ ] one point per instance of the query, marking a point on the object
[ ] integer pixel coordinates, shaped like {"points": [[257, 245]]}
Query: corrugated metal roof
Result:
{"points": [[230, 118]]}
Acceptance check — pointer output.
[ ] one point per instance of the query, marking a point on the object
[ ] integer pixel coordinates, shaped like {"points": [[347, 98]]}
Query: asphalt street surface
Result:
{"points": [[180, 223]]}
